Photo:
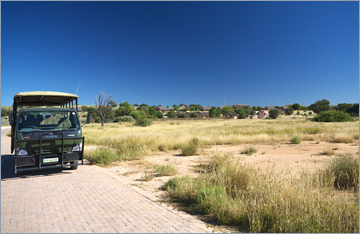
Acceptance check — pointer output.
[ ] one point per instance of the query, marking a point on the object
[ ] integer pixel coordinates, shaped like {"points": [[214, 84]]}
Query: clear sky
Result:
{"points": [[256, 53]]}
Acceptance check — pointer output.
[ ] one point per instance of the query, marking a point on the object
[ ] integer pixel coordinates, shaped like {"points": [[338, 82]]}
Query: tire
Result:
{"points": [[73, 167]]}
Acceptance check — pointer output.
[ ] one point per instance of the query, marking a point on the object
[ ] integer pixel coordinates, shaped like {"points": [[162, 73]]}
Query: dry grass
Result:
{"points": [[130, 141], [236, 194]]}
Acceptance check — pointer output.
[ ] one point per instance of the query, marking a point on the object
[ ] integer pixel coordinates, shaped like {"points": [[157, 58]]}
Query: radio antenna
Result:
{"points": [[78, 87]]}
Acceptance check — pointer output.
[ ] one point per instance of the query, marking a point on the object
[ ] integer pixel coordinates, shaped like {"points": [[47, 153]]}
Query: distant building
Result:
{"points": [[183, 107], [234, 115], [162, 108], [270, 107], [239, 106], [203, 114], [262, 114], [207, 108]]}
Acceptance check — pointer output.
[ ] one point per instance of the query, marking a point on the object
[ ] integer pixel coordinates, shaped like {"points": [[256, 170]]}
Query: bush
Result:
{"points": [[193, 115], [143, 122], [328, 152], [249, 150], [165, 170], [274, 113], [124, 119], [332, 116], [102, 155], [289, 111], [191, 148], [295, 140], [342, 172]]}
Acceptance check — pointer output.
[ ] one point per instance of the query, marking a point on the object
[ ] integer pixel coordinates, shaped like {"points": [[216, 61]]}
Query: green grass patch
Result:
{"points": [[104, 156]]}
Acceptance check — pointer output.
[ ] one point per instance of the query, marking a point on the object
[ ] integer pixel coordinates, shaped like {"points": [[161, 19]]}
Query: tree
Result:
{"points": [[320, 106], [103, 106], [124, 109], [289, 111], [171, 114], [113, 103], [243, 113], [295, 106], [274, 113], [227, 111], [175, 107], [214, 112]]}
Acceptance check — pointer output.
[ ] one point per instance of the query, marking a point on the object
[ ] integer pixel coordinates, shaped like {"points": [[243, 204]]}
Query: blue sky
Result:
{"points": [[256, 53]]}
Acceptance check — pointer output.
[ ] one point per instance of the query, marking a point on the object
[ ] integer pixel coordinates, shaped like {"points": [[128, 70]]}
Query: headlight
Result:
{"points": [[77, 147], [22, 152]]}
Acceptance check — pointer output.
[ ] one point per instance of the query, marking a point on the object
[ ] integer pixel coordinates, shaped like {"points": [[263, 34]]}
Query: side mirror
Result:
{"points": [[11, 119]]}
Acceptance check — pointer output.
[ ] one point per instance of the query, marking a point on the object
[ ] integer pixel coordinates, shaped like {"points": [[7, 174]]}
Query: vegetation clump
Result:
{"points": [[249, 151], [143, 122], [235, 194], [274, 113], [191, 148], [295, 140], [332, 116], [103, 156], [328, 152], [165, 170], [342, 173]]}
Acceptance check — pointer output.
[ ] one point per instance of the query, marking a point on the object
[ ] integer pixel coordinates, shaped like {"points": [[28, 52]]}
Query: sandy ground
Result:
{"points": [[290, 158]]}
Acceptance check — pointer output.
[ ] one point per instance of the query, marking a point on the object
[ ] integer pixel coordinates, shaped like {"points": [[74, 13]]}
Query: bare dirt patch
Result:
{"points": [[284, 157]]}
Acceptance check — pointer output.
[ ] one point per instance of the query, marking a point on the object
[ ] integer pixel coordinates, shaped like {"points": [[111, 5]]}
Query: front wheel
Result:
{"points": [[73, 167]]}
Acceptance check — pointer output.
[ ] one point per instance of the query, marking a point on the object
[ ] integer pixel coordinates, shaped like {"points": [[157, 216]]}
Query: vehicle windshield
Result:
{"points": [[30, 121]]}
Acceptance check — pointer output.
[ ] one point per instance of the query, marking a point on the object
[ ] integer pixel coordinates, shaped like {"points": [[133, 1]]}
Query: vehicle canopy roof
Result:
{"points": [[43, 98]]}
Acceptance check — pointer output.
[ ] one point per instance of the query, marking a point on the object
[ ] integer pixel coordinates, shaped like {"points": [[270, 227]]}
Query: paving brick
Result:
{"points": [[85, 200]]}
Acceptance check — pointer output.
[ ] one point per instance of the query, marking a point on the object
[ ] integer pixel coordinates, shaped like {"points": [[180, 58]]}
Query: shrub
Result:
{"points": [[298, 113], [147, 176], [342, 172], [289, 111], [143, 122], [249, 150], [193, 115], [274, 113], [191, 148], [328, 152], [295, 140], [332, 116], [165, 170], [124, 119], [163, 147], [102, 155]]}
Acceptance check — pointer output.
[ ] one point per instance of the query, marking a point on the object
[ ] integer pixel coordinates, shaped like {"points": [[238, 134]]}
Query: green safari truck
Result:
{"points": [[46, 131]]}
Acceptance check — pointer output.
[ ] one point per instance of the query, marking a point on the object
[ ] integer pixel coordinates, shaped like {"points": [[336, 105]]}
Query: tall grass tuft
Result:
{"points": [[342, 173], [165, 170], [235, 194], [249, 150], [191, 148], [104, 156], [295, 140]]}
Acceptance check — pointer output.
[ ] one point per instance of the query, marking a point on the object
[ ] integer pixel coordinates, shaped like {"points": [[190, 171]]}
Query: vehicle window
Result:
{"points": [[55, 120]]}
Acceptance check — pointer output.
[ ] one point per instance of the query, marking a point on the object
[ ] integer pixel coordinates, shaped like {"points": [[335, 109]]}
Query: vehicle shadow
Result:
{"points": [[8, 169]]}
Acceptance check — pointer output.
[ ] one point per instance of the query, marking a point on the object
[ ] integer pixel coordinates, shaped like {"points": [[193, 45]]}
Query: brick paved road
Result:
{"points": [[85, 200]]}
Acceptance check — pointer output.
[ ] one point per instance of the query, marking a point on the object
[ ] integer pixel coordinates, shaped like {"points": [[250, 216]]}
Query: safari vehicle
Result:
{"points": [[45, 131]]}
